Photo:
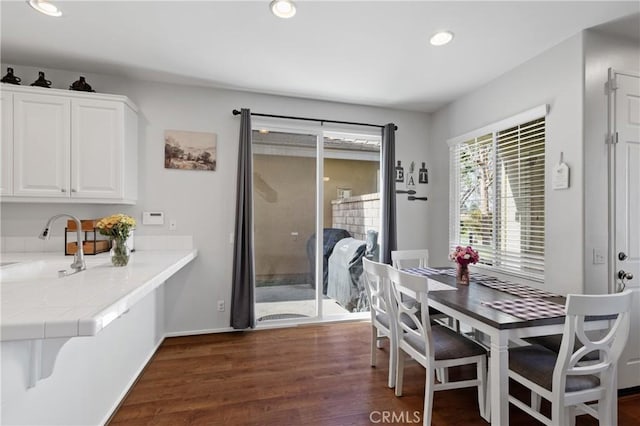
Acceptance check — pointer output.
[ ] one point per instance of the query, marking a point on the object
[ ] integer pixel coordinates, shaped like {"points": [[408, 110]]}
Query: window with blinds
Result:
{"points": [[497, 196]]}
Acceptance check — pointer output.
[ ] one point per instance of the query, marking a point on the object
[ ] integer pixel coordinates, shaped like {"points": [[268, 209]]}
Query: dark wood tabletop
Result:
{"points": [[468, 300]]}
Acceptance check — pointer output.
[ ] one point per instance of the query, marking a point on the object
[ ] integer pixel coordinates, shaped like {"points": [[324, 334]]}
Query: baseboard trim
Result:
{"points": [[202, 331], [629, 391]]}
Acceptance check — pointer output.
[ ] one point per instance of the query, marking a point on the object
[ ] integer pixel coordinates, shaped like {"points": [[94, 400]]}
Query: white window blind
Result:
{"points": [[497, 195]]}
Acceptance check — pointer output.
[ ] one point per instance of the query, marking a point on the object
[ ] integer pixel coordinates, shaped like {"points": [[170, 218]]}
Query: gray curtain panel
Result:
{"points": [[242, 296], [389, 239]]}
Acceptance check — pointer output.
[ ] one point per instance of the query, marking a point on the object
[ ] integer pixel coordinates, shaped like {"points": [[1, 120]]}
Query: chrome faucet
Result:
{"points": [[78, 258]]}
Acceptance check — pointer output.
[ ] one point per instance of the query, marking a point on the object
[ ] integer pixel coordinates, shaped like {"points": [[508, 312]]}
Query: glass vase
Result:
{"points": [[120, 253], [462, 274]]}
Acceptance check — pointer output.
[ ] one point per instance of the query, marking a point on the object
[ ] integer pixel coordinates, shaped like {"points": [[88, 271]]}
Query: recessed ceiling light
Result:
{"points": [[45, 7], [283, 8], [441, 38], [263, 131]]}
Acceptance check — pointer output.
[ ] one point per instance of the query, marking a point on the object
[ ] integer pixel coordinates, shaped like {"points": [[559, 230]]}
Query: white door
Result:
{"points": [[97, 135], [41, 145], [6, 155], [627, 216]]}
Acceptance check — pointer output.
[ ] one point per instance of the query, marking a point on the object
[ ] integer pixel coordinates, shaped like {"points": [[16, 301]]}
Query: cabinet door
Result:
{"points": [[97, 134], [41, 148], [6, 155]]}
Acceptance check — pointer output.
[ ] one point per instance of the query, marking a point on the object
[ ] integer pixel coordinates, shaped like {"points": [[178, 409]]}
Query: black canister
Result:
{"points": [[41, 81], [10, 78], [81, 85]]}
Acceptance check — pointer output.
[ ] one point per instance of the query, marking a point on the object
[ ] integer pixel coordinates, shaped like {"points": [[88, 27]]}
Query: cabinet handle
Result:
{"points": [[73, 190], [63, 190]]}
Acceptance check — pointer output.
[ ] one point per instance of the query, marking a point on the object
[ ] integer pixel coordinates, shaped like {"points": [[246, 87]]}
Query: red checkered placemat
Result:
{"points": [[520, 290], [423, 271], [426, 272], [528, 308]]}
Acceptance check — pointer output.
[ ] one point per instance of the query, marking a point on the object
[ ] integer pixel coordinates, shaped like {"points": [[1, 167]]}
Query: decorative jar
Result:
{"points": [[120, 252], [462, 274]]}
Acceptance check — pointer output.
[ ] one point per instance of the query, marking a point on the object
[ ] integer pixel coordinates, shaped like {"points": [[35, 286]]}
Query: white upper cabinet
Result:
{"points": [[97, 166], [71, 147], [41, 145], [6, 154]]}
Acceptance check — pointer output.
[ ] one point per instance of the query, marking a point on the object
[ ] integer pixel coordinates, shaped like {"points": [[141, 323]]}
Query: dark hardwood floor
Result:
{"points": [[310, 375]]}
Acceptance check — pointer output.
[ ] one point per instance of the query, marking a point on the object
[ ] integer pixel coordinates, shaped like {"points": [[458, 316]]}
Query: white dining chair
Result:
{"points": [[419, 258], [402, 259], [433, 346], [375, 278], [564, 378]]}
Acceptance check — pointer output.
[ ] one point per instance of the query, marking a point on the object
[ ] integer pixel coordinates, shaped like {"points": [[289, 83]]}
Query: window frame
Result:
{"points": [[493, 129]]}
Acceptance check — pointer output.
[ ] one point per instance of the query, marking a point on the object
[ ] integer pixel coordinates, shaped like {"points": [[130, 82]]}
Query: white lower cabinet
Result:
{"points": [[71, 147]]}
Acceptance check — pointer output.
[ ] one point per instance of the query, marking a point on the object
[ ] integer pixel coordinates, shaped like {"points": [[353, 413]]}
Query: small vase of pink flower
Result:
{"points": [[463, 256]]}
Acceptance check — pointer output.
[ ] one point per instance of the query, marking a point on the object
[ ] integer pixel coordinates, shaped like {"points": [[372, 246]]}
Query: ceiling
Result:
{"points": [[362, 52]]}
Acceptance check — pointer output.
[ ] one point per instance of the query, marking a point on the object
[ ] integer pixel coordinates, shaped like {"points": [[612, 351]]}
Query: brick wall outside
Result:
{"points": [[357, 214]]}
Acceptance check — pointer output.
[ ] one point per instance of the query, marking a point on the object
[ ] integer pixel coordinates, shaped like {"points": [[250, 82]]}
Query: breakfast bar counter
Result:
{"points": [[37, 304]]}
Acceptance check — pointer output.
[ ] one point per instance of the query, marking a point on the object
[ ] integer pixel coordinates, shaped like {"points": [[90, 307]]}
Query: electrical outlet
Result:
{"points": [[173, 225], [220, 305]]}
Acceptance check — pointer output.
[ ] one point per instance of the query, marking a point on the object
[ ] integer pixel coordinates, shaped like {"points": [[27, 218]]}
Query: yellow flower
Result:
{"points": [[116, 226]]}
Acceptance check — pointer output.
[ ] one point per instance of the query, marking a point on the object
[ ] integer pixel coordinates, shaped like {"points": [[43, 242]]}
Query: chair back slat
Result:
{"points": [[375, 278], [402, 259], [409, 306], [609, 347]]}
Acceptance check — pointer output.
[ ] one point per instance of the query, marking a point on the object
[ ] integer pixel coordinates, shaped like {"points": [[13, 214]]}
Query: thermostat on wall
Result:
{"points": [[153, 218]]}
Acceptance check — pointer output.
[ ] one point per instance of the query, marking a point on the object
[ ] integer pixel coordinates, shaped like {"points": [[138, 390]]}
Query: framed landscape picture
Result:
{"points": [[186, 150]]}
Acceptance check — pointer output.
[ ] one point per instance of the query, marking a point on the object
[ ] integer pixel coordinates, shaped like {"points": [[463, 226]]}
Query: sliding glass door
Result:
{"points": [[284, 188], [308, 184]]}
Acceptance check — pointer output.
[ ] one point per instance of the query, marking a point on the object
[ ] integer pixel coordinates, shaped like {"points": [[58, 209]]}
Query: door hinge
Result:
{"points": [[612, 139], [610, 86]]}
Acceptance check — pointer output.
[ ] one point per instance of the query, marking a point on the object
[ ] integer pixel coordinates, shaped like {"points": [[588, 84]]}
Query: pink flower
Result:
{"points": [[464, 255]]}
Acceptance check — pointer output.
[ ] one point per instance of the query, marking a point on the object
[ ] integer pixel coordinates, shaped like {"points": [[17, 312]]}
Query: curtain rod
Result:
{"points": [[236, 112]]}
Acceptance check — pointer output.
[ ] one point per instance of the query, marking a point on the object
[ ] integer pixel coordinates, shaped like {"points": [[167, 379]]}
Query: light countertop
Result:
{"points": [[36, 304]]}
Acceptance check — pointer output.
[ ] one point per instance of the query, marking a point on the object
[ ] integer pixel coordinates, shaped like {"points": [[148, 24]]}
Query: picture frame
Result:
{"points": [[187, 150]]}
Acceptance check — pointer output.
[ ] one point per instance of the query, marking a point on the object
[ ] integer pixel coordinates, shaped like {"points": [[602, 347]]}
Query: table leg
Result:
{"points": [[499, 379]]}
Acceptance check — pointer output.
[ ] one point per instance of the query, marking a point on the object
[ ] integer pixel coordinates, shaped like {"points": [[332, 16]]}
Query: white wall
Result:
{"points": [[554, 78], [601, 53], [203, 203]]}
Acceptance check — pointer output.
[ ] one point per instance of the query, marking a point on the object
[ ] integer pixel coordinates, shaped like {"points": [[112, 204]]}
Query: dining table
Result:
{"points": [[504, 311]]}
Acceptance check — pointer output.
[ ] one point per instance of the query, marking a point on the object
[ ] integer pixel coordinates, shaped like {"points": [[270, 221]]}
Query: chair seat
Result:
{"points": [[385, 320], [536, 363], [554, 341], [448, 344]]}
